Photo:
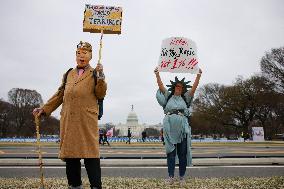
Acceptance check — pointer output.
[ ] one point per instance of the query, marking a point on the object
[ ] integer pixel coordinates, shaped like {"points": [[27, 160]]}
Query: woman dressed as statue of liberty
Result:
{"points": [[176, 102]]}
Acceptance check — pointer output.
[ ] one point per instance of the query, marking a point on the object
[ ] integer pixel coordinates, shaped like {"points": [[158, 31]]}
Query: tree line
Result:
{"points": [[218, 110], [232, 110], [16, 119]]}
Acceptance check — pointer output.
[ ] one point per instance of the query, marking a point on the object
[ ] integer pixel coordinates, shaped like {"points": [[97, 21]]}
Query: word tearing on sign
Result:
{"points": [[99, 17], [178, 55]]}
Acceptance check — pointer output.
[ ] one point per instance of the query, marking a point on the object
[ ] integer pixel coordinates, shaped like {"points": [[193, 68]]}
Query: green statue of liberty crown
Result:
{"points": [[185, 85]]}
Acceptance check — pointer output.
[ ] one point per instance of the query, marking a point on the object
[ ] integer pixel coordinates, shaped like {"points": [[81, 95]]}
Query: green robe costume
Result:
{"points": [[176, 127]]}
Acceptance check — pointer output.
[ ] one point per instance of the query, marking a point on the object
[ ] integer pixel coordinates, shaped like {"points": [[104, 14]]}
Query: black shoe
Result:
{"points": [[77, 187]]}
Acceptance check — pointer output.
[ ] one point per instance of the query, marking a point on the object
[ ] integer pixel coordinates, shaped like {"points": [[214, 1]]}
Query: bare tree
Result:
{"points": [[238, 106], [210, 116], [5, 118], [24, 101], [24, 98], [50, 126], [272, 67]]}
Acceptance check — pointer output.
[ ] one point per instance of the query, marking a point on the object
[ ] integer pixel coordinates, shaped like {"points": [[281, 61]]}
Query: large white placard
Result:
{"points": [[257, 134], [178, 55]]}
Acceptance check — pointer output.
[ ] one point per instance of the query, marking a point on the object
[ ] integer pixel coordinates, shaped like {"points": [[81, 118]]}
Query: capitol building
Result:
{"points": [[136, 129], [132, 123]]}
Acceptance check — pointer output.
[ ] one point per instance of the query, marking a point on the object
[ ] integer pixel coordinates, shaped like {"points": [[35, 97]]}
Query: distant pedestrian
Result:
{"points": [[110, 132], [129, 136], [105, 138], [144, 135], [101, 134], [162, 136]]}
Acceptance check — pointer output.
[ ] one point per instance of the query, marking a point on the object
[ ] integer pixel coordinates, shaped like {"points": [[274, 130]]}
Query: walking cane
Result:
{"points": [[37, 122]]}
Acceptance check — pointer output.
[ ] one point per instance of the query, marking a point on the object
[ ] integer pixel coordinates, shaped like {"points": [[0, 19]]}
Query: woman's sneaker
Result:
{"points": [[170, 180]]}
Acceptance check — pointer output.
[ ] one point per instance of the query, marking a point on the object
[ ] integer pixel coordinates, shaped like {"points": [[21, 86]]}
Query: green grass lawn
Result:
{"points": [[135, 183]]}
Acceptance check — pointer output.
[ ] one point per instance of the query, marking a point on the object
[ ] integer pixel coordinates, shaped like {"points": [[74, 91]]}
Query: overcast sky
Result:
{"points": [[39, 38]]}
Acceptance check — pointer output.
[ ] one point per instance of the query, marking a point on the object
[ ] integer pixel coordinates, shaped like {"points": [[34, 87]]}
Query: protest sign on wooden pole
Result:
{"points": [[105, 20], [102, 19], [178, 55]]}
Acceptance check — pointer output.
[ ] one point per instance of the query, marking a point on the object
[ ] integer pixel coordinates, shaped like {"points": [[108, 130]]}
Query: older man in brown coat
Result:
{"points": [[79, 94]]}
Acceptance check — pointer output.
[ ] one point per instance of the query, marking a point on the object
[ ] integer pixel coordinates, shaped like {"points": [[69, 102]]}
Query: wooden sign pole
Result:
{"points": [[100, 51], [101, 46]]}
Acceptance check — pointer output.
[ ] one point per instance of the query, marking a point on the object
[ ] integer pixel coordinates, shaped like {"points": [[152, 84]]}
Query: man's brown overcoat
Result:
{"points": [[79, 115]]}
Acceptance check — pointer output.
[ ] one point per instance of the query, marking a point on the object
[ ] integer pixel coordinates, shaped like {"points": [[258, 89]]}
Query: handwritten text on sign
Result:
{"points": [[99, 17], [178, 55]]}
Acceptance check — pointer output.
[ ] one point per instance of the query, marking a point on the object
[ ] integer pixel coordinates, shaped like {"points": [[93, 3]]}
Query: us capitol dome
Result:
{"points": [[132, 118], [132, 123]]}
